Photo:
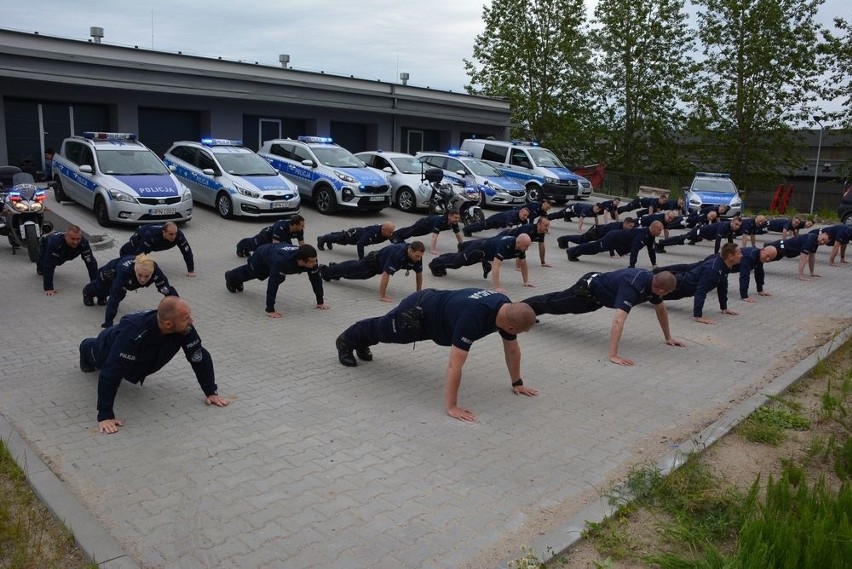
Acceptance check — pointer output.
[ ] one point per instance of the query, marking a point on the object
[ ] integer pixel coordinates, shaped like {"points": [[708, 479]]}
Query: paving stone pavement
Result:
{"points": [[317, 465]]}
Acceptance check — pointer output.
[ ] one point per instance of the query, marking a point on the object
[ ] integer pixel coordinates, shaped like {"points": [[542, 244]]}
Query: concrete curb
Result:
{"points": [[63, 214], [559, 540]]}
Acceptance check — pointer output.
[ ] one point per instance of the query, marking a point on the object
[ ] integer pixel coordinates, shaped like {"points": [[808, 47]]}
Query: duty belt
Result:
{"points": [[588, 279], [781, 244]]}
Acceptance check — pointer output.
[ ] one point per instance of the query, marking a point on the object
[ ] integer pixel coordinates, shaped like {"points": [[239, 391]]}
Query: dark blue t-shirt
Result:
{"points": [[460, 317], [624, 289]]}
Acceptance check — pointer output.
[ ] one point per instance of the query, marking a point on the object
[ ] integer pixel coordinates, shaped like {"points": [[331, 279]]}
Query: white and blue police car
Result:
{"points": [[232, 178], [712, 189], [328, 174], [460, 167], [120, 179]]}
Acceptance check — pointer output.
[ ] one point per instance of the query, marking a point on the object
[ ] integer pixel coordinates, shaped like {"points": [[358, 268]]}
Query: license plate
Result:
{"points": [[279, 205], [163, 211], [377, 198]]}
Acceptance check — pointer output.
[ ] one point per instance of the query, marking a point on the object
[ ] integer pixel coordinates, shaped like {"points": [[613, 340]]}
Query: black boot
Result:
{"points": [[344, 352], [85, 366]]}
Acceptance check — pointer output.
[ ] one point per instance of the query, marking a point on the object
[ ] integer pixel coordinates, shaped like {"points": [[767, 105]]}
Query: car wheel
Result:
{"points": [[102, 212], [533, 193], [847, 219], [59, 191], [405, 200], [324, 200], [224, 206]]}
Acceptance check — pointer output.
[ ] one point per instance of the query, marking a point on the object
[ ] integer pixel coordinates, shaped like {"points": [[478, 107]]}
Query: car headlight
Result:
{"points": [[736, 202], [695, 201], [247, 192], [187, 195], [120, 196], [549, 180], [345, 177]]}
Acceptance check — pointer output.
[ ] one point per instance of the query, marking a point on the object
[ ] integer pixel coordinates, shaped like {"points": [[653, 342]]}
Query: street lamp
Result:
{"points": [[818, 119]]}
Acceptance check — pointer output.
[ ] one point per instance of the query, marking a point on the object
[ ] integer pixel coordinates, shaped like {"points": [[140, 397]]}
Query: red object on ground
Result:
{"points": [[595, 174]]}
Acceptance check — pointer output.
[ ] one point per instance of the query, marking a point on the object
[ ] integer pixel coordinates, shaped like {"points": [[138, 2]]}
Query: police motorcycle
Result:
{"points": [[22, 218], [445, 197]]}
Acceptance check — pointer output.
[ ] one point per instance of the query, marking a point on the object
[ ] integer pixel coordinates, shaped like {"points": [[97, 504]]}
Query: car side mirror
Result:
{"points": [[387, 169], [172, 168], [308, 163], [85, 168], [209, 172]]}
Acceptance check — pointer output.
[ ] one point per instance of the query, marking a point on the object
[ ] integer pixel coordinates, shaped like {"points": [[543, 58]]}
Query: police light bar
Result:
{"points": [[109, 135], [525, 143], [316, 139], [712, 175], [461, 153], [220, 142]]}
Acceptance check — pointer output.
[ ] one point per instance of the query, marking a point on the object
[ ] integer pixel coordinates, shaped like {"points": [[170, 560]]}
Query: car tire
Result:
{"points": [[224, 205], [59, 191], [324, 201], [405, 200], [533, 193], [102, 212], [847, 219]]}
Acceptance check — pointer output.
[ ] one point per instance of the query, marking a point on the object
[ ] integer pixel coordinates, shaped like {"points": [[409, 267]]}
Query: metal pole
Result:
{"points": [[816, 169]]}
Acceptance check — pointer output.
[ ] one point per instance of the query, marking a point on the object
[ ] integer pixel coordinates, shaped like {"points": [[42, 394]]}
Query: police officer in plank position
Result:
{"points": [[579, 210], [698, 279], [275, 261], [433, 224], [491, 252], [537, 209], [595, 233], [57, 248], [536, 232], [651, 204], [664, 217], [120, 275], [787, 227], [622, 242], [455, 318], [838, 238], [753, 260], [386, 261], [502, 220], [140, 345], [693, 219], [610, 209], [804, 247], [622, 290], [150, 238], [358, 236], [282, 231], [712, 231], [752, 227]]}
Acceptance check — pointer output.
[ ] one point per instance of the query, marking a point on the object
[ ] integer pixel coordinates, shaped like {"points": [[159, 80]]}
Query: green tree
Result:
{"points": [[643, 51], [837, 60], [534, 53], [758, 78]]}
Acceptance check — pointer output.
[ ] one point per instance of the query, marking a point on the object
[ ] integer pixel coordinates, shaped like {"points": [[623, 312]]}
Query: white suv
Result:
{"points": [[232, 178], [120, 178], [328, 174]]}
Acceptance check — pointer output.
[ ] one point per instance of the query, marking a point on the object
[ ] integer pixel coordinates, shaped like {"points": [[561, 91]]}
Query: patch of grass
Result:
{"points": [[768, 423], [611, 537], [29, 535]]}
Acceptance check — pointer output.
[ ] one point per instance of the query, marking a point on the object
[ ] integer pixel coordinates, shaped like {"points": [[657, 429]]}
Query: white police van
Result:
{"points": [[232, 178], [119, 178], [328, 174], [713, 189], [460, 167], [536, 168]]}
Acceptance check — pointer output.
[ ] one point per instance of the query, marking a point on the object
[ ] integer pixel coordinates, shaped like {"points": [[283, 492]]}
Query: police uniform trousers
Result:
{"points": [[248, 272], [100, 286], [464, 258], [402, 325], [577, 299], [420, 227], [359, 269]]}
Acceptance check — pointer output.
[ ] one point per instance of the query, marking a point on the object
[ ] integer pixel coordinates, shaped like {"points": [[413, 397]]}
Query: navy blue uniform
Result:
{"points": [[119, 276], [689, 220], [447, 317], [643, 203], [497, 221], [647, 219], [478, 251], [530, 229], [697, 279], [150, 238], [274, 261], [782, 224], [54, 251], [279, 232], [583, 210], [750, 262], [669, 205], [836, 233], [712, 231], [750, 227], [358, 236], [609, 206], [389, 259], [621, 242], [134, 349], [596, 232], [622, 289], [424, 226], [534, 209], [795, 246]]}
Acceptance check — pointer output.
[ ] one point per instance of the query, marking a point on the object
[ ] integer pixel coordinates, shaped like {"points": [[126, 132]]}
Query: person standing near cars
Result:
{"points": [[275, 261], [57, 248], [359, 236], [282, 231], [139, 346], [149, 238], [385, 262]]}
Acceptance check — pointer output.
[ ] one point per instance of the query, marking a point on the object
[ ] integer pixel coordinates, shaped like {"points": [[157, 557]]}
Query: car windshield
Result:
{"points": [[480, 168], [407, 165], [130, 163], [336, 157], [244, 164], [719, 185], [545, 158]]}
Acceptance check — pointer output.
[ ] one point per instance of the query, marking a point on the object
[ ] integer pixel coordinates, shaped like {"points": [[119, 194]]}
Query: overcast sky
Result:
{"points": [[370, 39]]}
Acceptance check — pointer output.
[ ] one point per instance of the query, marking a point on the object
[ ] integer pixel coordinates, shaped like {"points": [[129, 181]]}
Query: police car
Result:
{"points": [[119, 178], [232, 178], [460, 167], [328, 174], [405, 174], [712, 189]]}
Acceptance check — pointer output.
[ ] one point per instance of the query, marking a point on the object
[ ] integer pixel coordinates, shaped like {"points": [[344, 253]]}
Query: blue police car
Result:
{"points": [[713, 189]]}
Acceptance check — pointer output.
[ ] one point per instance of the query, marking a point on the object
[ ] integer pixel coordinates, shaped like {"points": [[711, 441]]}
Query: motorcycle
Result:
{"points": [[22, 219], [446, 197]]}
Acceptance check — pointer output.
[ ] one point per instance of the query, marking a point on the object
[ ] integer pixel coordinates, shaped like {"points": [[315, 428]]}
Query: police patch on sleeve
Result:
{"points": [[196, 356]]}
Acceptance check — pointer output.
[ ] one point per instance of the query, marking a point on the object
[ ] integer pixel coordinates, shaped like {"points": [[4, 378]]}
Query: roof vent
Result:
{"points": [[284, 59], [96, 33]]}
